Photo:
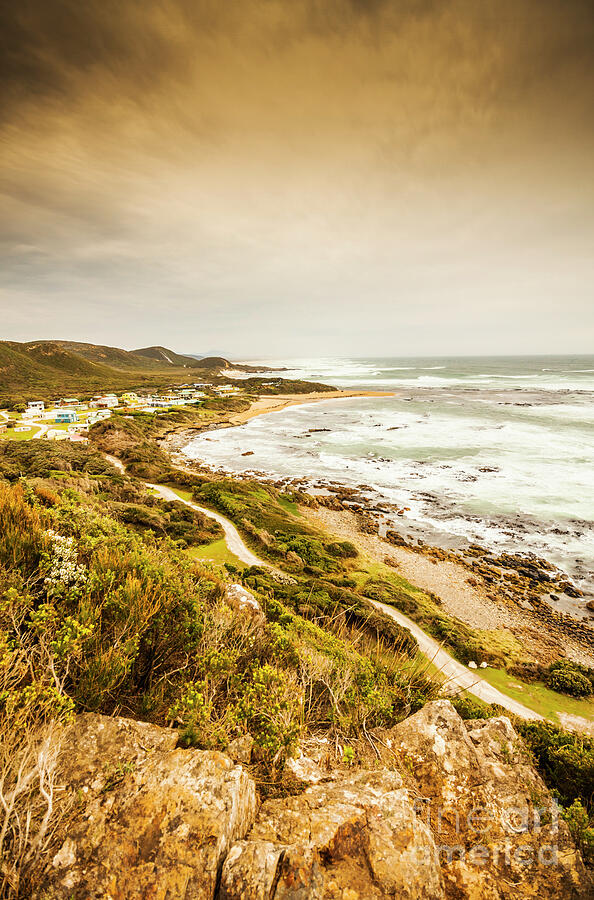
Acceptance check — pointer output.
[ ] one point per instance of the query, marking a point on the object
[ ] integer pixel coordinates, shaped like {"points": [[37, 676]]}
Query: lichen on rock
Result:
{"points": [[160, 829], [466, 817]]}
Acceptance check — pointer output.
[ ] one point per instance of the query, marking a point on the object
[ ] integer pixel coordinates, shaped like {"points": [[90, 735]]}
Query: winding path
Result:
{"points": [[232, 537], [455, 673], [43, 430]]}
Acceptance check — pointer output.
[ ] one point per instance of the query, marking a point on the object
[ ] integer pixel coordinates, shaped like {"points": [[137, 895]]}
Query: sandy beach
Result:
{"points": [[177, 439], [447, 580], [277, 402]]}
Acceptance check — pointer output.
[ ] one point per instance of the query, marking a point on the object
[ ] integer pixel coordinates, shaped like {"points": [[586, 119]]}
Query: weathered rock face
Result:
{"points": [[156, 826], [472, 821], [351, 837], [497, 828]]}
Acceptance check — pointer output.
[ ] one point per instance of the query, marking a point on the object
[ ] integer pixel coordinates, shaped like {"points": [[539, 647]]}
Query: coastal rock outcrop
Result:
{"points": [[498, 830], [243, 601], [352, 837], [152, 821], [453, 809]]}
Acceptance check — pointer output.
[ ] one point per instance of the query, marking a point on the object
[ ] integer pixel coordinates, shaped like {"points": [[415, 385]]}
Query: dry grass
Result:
{"points": [[31, 806]]}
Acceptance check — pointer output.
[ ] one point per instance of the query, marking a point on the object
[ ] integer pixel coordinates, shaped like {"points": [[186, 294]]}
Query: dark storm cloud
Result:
{"points": [[268, 155]]}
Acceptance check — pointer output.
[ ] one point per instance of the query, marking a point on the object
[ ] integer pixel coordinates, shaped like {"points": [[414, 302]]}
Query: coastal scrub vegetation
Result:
{"points": [[284, 386], [101, 610], [570, 678], [268, 520], [133, 437]]}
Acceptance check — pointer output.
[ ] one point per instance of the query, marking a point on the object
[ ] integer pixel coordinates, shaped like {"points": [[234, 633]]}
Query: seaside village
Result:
{"points": [[70, 418]]}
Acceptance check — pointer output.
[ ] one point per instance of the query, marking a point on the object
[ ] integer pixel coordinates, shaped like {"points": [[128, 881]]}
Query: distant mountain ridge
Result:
{"points": [[37, 368], [156, 357]]}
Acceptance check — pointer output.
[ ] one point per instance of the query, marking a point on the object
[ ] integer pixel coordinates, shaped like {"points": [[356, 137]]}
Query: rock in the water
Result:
{"points": [[156, 822]]}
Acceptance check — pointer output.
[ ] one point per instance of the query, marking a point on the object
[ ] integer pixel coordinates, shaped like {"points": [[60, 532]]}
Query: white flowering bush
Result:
{"points": [[65, 572]]}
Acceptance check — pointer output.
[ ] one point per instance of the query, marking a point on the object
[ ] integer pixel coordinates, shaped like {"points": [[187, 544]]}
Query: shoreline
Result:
{"points": [[264, 405], [463, 594], [277, 402]]}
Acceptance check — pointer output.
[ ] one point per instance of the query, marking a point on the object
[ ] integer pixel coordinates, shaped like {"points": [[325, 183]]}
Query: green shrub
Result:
{"points": [[470, 708], [41, 458], [564, 759], [271, 708], [582, 830], [23, 533], [342, 549], [193, 712], [185, 526], [528, 671], [570, 678]]}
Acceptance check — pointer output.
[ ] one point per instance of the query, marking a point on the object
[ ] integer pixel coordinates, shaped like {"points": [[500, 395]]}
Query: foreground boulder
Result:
{"points": [[351, 837], [497, 828], [155, 822], [471, 821], [453, 810]]}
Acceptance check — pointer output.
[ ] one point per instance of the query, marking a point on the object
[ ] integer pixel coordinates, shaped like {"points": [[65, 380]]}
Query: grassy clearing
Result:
{"points": [[182, 493], [11, 435], [217, 552], [538, 696], [289, 505]]}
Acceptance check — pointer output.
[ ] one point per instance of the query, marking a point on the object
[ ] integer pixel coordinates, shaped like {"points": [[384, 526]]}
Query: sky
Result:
{"points": [[277, 178]]}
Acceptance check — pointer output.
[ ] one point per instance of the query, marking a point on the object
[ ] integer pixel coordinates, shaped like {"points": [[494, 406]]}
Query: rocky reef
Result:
{"points": [[451, 809]]}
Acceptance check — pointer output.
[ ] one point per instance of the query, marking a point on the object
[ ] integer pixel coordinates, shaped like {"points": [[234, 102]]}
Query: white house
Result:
{"points": [[165, 402], [98, 416], [34, 408], [55, 434], [108, 401], [225, 389]]}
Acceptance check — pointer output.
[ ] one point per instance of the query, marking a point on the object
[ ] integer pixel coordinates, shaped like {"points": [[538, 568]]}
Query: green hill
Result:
{"points": [[46, 369], [111, 356]]}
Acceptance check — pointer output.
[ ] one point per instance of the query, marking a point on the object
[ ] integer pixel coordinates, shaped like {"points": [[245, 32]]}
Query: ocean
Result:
{"points": [[498, 451]]}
